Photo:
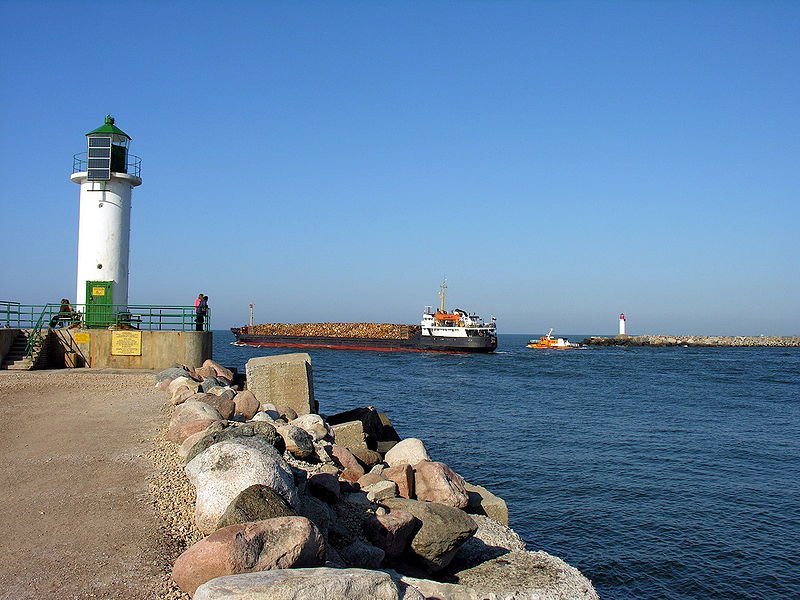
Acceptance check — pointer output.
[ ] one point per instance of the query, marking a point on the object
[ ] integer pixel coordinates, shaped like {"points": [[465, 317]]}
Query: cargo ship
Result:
{"points": [[438, 331]]}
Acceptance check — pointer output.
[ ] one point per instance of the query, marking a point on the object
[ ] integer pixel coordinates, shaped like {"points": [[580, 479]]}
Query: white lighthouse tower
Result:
{"points": [[107, 175], [622, 323]]}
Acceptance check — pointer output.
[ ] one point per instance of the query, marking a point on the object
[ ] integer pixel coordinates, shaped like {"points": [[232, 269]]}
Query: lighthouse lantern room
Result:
{"points": [[107, 175]]}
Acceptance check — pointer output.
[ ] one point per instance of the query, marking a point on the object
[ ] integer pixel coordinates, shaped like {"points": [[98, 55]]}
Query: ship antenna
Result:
{"points": [[442, 294]]}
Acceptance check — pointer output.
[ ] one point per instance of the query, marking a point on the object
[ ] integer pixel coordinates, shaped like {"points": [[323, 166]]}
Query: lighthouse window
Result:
{"points": [[99, 142], [99, 152], [98, 163]]}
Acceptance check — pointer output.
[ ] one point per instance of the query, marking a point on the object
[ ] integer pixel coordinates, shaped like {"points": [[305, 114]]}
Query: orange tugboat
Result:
{"points": [[548, 342]]}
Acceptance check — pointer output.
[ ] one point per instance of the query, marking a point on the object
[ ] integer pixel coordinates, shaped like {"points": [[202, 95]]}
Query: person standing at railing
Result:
{"points": [[201, 309]]}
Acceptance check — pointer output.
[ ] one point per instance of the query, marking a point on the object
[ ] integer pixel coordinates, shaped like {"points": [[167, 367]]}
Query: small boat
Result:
{"points": [[548, 342]]}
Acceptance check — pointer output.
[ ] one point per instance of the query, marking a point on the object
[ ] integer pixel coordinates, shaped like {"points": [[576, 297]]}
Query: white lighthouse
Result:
{"points": [[622, 323], [107, 175]]}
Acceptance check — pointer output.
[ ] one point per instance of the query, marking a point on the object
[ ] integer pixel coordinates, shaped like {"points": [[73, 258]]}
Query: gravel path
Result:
{"points": [[88, 491]]}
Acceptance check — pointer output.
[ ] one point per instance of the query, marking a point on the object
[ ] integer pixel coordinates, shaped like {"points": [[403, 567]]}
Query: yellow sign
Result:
{"points": [[98, 291], [126, 343], [81, 338]]}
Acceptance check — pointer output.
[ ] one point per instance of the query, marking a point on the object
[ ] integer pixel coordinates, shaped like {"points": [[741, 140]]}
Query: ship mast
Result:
{"points": [[442, 294]]}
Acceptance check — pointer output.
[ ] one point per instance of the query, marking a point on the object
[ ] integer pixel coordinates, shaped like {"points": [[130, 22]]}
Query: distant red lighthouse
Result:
{"points": [[622, 323]]}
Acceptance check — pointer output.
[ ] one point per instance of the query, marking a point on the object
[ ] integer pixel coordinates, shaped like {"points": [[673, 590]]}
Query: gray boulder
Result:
{"points": [[444, 529], [261, 430], [225, 469], [308, 584], [256, 503]]}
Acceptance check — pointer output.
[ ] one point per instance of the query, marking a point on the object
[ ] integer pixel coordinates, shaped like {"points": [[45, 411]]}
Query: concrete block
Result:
{"points": [[350, 435], [284, 380]]}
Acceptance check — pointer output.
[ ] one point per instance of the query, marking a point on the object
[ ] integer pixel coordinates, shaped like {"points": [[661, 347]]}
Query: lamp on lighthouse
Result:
{"points": [[107, 151]]}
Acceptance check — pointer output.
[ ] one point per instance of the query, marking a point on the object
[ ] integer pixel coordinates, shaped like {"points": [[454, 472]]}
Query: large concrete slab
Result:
{"points": [[285, 380]]}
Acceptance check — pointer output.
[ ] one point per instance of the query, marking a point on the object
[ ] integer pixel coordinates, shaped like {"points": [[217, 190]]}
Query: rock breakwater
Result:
{"points": [[696, 341], [289, 503]]}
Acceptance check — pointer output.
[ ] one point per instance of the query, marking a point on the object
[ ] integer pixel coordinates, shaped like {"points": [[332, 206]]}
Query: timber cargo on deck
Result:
{"points": [[438, 331]]}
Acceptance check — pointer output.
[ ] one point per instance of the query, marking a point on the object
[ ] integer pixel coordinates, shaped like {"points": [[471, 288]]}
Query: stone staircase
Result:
{"points": [[16, 359]]}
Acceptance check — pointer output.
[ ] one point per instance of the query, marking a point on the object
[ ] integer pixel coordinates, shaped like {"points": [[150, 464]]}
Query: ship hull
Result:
{"points": [[416, 343]]}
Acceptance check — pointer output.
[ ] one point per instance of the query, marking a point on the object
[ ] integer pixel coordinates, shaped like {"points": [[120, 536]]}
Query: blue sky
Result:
{"points": [[558, 162]]}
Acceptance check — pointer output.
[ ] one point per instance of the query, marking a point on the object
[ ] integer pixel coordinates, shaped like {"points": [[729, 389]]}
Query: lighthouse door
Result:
{"points": [[99, 303]]}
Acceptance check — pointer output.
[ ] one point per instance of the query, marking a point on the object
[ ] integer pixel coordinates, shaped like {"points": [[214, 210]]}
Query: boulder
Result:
{"points": [[279, 543], [299, 442], [308, 584], [218, 369], [368, 458], [193, 410], [403, 476], [361, 555], [381, 490], [352, 469], [528, 576], [171, 373], [245, 404], [284, 380], [484, 502], [181, 395], [444, 529], [211, 382], [369, 479], [224, 405], [205, 372], [180, 433], [408, 452], [317, 512], [256, 503], [189, 442], [324, 486], [227, 468], [436, 482], [264, 431], [184, 381], [313, 424], [262, 416], [392, 532], [270, 409]]}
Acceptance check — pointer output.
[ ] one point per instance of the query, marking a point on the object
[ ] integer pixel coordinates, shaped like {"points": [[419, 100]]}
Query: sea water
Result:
{"points": [[658, 472]]}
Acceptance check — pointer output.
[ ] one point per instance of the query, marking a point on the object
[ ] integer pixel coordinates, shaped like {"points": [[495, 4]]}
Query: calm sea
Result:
{"points": [[659, 473]]}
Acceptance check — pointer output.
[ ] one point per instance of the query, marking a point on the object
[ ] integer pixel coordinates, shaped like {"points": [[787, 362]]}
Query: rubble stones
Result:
{"points": [[350, 435]]}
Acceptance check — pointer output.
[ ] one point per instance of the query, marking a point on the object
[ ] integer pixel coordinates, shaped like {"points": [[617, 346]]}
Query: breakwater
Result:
{"points": [[695, 341], [337, 506]]}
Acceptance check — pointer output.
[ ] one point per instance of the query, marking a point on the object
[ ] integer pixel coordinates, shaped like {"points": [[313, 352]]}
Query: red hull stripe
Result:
{"points": [[331, 347]]}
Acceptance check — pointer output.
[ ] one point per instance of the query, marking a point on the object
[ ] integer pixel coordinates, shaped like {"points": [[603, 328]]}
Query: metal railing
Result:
{"points": [[132, 167], [138, 316]]}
